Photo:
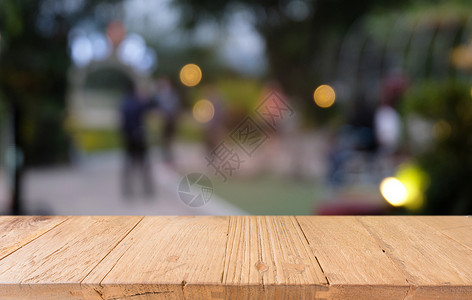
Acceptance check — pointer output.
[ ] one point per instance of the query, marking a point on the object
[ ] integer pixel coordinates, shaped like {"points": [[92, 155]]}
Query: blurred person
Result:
{"points": [[132, 112], [168, 102], [388, 124], [215, 128], [355, 146], [276, 113], [361, 126], [387, 128]]}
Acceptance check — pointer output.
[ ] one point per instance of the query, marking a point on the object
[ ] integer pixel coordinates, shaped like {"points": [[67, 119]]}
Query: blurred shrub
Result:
{"points": [[237, 98], [234, 92], [92, 140], [448, 161]]}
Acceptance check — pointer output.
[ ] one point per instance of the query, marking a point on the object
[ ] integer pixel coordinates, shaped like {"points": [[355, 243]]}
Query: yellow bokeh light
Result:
{"points": [[394, 191], [324, 96], [203, 111], [190, 75], [415, 181]]}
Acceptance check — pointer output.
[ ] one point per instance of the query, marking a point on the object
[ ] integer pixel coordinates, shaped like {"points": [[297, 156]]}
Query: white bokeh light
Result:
{"points": [[132, 50], [81, 50], [101, 46], [148, 62]]}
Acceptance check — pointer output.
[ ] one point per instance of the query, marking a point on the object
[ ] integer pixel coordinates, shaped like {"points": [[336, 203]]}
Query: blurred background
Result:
{"points": [[272, 107]]}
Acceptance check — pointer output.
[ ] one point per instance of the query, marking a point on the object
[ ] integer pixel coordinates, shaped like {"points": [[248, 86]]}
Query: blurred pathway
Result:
{"points": [[93, 188]]}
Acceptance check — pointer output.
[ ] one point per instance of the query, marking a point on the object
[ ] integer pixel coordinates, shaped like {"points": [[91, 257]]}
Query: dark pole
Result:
{"points": [[16, 197]]}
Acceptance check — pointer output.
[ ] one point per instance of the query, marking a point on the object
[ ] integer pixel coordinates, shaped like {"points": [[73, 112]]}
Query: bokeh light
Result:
{"points": [[134, 52], [190, 75], [394, 191], [324, 96], [81, 50], [407, 188], [101, 46], [203, 111], [415, 181]]}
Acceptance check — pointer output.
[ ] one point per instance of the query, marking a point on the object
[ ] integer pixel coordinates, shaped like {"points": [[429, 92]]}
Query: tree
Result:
{"points": [[447, 161], [299, 35], [34, 62]]}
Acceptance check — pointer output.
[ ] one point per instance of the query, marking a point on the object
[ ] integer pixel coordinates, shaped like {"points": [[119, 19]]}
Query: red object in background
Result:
{"points": [[116, 32], [353, 204], [393, 88], [333, 209]]}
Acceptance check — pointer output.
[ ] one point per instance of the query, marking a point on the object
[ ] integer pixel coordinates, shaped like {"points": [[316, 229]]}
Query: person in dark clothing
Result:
{"points": [[132, 112], [169, 105]]}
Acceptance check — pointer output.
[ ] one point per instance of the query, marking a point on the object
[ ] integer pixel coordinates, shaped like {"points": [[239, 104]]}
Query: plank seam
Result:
{"points": [[410, 293], [67, 218], [226, 250], [445, 234], [113, 248], [244, 244], [183, 285], [409, 278], [274, 237], [261, 258], [307, 248], [316, 258]]}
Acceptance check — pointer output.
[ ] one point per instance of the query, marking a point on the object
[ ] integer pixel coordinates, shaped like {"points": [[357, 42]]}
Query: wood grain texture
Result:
{"points": [[270, 258], [353, 262], [263, 257], [54, 264], [166, 256], [16, 232], [435, 266], [458, 228]]}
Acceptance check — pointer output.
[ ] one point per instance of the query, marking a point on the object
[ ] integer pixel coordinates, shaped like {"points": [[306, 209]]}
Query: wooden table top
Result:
{"points": [[286, 257]]}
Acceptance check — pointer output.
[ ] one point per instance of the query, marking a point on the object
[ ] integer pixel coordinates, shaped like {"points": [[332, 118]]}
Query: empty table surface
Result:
{"points": [[268, 257]]}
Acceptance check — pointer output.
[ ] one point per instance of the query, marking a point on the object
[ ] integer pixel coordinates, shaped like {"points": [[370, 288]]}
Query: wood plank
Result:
{"points": [[352, 260], [169, 257], [15, 232], [436, 266], [269, 257], [458, 228], [261, 257], [53, 265]]}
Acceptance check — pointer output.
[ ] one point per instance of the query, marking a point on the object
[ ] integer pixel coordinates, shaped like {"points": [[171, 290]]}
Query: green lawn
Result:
{"points": [[269, 195]]}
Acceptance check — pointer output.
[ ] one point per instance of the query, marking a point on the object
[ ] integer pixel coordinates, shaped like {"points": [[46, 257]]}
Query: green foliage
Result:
{"points": [[238, 93], [241, 92], [450, 100], [448, 161], [34, 62], [11, 16]]}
